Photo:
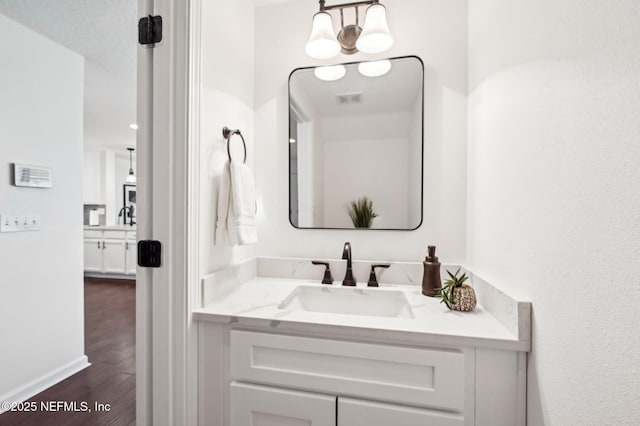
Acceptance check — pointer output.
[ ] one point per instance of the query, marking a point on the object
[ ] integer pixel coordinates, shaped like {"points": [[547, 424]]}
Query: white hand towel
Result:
{"points": [[224, 214], [243, 204]]}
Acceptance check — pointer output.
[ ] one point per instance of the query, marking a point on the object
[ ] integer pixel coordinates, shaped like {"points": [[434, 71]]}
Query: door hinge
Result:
{"points": [[150, 30], [149, 253]]}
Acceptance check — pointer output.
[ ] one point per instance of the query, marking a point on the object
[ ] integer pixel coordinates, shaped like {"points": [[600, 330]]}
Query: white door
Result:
{"points": [[113, 256], [253, 405], [93, 255], [355, 412]]}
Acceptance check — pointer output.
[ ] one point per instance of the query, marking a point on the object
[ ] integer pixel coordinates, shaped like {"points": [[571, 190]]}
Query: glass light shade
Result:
{"points": [[131, 178], [374, 68], [375, 37], [322, 42], [330, 73]]}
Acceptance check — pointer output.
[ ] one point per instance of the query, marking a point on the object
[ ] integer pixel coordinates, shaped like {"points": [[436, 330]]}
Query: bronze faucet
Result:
{"points": [[348, 276]]}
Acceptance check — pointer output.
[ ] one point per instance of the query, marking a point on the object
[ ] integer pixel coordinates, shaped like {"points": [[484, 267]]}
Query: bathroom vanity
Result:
{"points": [[279, 348]]}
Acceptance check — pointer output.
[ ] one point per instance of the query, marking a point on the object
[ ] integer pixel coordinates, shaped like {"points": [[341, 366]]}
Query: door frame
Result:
{"points": [[168, 111]]}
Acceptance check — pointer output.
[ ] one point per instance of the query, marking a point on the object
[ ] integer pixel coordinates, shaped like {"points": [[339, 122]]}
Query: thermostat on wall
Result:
{"points": [[32, 176]]}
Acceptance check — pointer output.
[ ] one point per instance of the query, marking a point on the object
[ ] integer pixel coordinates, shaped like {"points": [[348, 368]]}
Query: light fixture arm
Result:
{"points": [[324, 7]]}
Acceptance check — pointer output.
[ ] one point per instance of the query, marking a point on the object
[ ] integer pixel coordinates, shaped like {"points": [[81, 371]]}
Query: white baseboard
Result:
{"points": [[36, 386], [109, 276]]}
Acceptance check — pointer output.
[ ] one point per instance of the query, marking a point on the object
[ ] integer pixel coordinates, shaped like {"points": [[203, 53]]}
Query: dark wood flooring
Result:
{"points": [[110, 346]]}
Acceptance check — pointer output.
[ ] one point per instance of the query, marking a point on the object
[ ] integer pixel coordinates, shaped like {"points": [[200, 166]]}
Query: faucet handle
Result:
{"points": [[328, 278], [373, 281]]}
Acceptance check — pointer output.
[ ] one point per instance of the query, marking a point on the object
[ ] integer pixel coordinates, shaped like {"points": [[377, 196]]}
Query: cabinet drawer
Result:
{"points": [[93, 233], [114, 235], [412, 376]]}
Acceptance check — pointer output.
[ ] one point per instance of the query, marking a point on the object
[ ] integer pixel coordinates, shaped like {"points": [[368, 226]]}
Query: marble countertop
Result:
{"points": [[109, 228], [255, 303]]}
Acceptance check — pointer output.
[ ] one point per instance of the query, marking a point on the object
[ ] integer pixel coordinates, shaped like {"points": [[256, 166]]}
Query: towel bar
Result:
{"points": [[227, 134]]}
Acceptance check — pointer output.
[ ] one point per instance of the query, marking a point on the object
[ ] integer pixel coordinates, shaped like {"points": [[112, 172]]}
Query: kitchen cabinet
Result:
{"points": [[113, 256], [131, 251], [93, 255], [110, 251]]}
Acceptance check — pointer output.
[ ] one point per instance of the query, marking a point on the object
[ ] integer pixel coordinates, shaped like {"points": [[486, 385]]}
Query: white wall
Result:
{"points": [[376, 168], [554, 195], [435, 30], [41, 307], [227, 94]]}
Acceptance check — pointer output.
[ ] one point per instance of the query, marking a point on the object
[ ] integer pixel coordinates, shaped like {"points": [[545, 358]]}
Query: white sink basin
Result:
{"points": [[349, 301]]}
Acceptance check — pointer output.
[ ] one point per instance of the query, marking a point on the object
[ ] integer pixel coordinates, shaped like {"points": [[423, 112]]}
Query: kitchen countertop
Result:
{"points": [[255, 304], [110, 228]]}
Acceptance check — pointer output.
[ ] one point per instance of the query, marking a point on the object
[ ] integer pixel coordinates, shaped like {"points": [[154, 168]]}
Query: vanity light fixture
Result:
{"points": [[330, 73], [374, 68], [131, 177], [374, 37]]}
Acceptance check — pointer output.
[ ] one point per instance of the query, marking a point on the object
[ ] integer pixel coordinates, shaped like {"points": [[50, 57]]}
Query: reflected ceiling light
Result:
{"points": [[374, 38], [133, 126], [131, 177], [292, 140], [330, 73], [374, 68]]}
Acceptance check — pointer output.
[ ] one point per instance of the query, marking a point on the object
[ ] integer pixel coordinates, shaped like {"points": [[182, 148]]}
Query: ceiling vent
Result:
{"points": [[349, 98]]}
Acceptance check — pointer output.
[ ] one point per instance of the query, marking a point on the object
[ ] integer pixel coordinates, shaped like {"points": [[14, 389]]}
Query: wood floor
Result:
{"points": [[110, 346]]}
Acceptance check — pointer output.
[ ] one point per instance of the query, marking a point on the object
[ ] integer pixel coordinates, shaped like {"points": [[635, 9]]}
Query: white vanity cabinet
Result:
{"points": [[109, 251], [368, 384], [266, 377], [258, 405]]}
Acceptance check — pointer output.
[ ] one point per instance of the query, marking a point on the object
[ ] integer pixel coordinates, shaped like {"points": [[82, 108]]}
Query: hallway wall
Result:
{"points": [[41, 278]]}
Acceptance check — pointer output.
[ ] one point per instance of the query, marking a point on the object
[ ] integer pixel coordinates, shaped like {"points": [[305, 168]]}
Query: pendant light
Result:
{"points": [[131, 177]]}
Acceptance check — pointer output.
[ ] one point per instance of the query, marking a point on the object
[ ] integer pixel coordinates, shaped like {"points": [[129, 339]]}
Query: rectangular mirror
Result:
{"points": [[356, 145]]}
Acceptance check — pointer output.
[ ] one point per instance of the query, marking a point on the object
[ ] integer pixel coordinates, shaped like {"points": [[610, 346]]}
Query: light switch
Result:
{"points": [[7, 223], [19, 223]]}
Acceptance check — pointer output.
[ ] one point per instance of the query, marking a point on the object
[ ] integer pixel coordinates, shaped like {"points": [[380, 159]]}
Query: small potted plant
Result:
{"points": [[457, 295], [361, 212]]}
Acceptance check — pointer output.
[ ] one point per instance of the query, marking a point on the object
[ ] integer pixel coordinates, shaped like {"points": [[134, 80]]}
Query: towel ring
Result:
{"points": [[227, 134]]}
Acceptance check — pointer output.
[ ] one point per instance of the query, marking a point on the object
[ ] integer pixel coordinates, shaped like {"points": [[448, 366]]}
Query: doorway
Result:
{"points": [[69, 95]]}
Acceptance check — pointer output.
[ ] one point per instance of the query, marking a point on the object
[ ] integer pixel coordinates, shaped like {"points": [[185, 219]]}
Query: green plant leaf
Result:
{"points": [[361, 212]]}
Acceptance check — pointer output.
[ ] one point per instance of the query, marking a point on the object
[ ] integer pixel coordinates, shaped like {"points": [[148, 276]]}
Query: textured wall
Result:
{"points": [[554, 194]]}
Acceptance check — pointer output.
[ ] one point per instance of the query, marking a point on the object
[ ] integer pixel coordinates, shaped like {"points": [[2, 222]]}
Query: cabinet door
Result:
{"points": [[113, 256], [93, 255], [354, 412], [253, 405], [132, 256]]}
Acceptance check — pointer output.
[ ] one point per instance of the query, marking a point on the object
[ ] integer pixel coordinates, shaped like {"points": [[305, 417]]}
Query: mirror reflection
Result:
{"points": [[356, 145]]}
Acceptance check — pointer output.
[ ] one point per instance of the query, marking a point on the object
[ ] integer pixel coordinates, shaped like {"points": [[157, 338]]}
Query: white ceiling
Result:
{"points": [[105, 33]]}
